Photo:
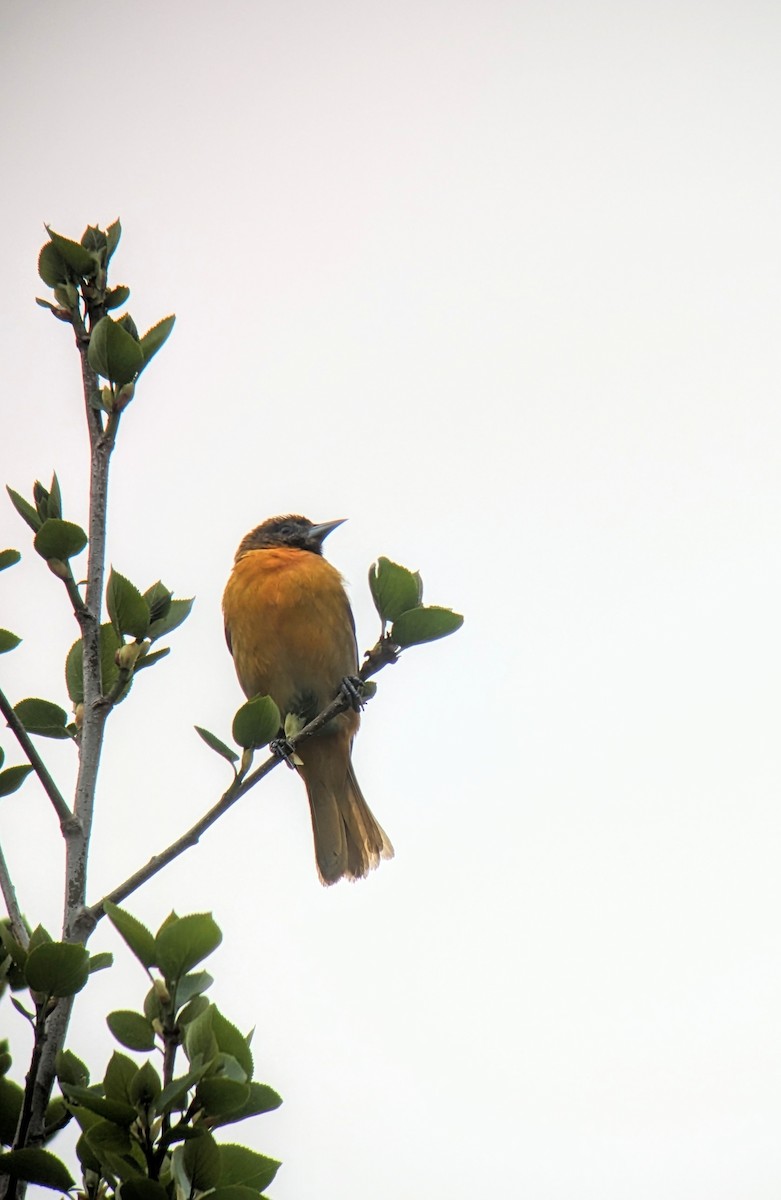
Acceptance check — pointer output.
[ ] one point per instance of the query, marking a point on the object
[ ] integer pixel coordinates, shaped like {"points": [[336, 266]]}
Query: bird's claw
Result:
{"points": [[352, 687], [284, 750]]}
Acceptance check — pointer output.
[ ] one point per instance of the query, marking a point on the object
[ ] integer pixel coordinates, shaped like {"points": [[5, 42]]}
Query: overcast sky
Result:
{"points": [[500, 283]]}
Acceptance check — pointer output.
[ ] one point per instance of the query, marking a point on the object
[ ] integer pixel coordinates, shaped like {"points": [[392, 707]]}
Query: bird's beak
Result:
{"points": [[320, 532]]}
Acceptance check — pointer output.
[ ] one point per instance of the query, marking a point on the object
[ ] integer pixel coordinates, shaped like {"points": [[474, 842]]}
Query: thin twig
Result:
{"points": [[50, 787], [381, 655], [18, 928]]}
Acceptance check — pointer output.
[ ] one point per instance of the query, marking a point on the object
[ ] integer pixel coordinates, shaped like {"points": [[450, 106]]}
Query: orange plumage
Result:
{"points": [[291, 633]]}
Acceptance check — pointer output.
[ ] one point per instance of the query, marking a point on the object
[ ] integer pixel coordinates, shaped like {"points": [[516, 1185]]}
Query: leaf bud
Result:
{"points": [[126, 393], [78, 715], [126, 656], [107, 396], [162, 991], [58, 568]]}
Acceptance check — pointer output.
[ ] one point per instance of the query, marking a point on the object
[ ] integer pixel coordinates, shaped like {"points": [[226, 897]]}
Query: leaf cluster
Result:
{"points": [[153, 1134], [398, 597], [77, 273], [138, 620]]}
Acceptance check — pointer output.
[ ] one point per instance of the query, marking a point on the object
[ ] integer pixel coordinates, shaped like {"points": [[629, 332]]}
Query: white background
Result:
{"points": [[500, 283]]}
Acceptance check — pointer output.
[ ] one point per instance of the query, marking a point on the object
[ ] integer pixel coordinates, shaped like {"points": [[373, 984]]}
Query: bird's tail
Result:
{"points": [[349, 842]]}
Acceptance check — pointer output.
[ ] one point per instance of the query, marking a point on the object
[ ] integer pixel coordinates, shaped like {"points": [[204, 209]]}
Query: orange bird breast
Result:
{"points": [[290, 628]]}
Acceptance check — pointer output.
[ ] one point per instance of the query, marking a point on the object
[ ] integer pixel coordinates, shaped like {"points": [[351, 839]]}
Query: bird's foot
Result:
{"points": [[284, 750], [352, 687]]}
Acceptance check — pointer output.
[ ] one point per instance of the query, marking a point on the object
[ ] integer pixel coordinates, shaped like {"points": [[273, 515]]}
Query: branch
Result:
{"points": [[33, 757], [102, 438], [381, 655], [18, 928], [77, 833]]}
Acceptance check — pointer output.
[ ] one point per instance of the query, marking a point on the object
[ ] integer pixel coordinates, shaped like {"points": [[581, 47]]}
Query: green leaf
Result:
{"points": [[394, 589], [155, 337], [145, 1087], [131, 1029], [136, 935], [201, 1160], [114, 353], [25, 510], [120, 1073], [243, 1166], [11, 1097], [59, 539], [192, 1009], [81, 261], [177, 611], [218, 1096], [12, 778], [39, 937], [56, 1117], [182, 944], [116, 1152], [116, 297], [256, 723], [88, 1161], [127, 608], [42, 717], [10, 945], [228, 1067], [54, 504], [21, 1009], [147, 660], [100, 961], [424, 625], [231, 1041], [52, 267], [36, 1166], [127, 323], [200, 1044], [71, 1069], [8, 641], [235, 1191], [94, 239], [57, 968], [110, 642], [113, 234], [159, 600], [8, 558], [215, 744], [173, 1095], [192, 985], [261, 1099], [143, 1189], [117, 1112]]}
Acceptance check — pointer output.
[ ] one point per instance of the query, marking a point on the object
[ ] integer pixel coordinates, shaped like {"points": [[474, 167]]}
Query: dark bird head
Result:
{"points": [[295, 531]]}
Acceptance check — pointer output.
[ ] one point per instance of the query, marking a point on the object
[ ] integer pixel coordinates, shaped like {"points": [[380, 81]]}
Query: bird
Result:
{"points": [[291, 632]]}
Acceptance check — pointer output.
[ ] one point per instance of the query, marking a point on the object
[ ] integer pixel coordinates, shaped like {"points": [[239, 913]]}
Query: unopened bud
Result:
{"points": [[107, 396], [162, 992], [126, 393], [58, 568], [78, 715], [127, 656]]}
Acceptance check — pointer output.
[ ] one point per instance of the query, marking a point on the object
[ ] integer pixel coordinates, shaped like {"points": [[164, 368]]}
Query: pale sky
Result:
{"points": [[500, 283]]}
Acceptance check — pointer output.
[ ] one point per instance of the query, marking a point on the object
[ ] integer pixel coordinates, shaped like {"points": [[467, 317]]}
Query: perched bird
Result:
{"points": [[291, 632]]}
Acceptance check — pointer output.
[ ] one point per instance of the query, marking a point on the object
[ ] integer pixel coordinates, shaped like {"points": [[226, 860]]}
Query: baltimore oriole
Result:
{"points": [[291, 632]]}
